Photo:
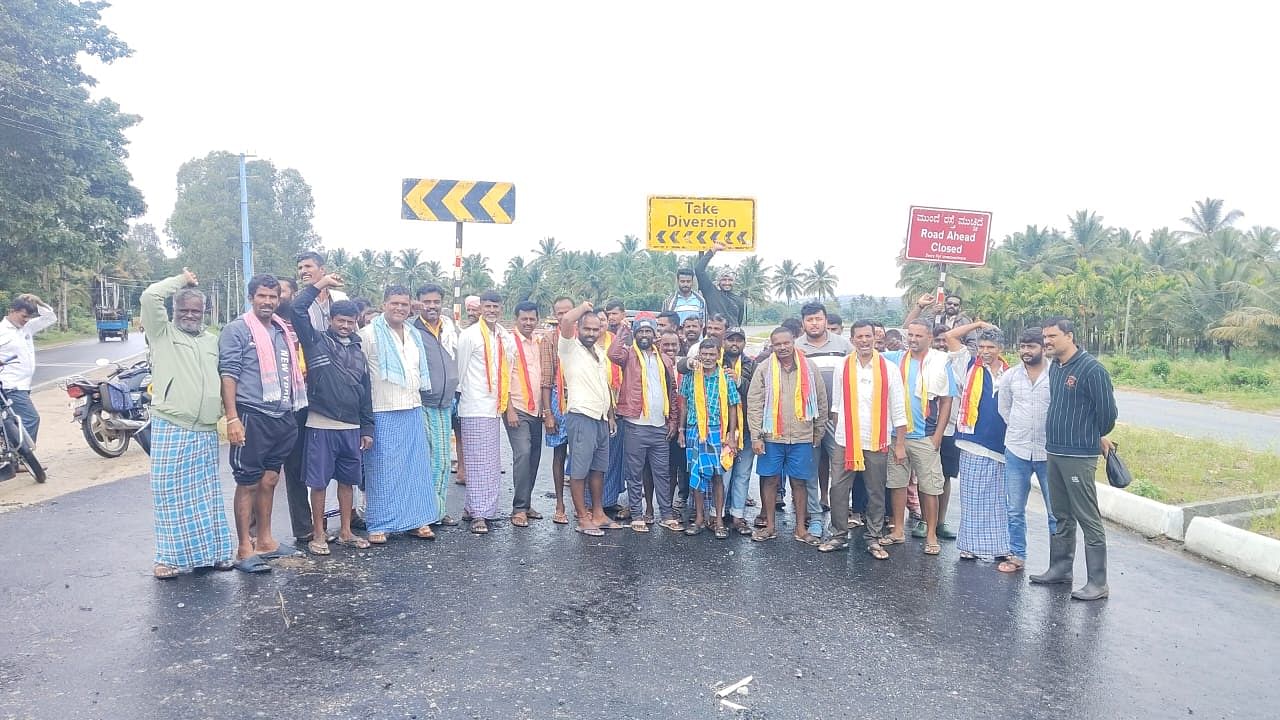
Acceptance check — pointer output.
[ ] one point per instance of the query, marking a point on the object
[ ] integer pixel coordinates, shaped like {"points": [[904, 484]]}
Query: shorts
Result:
{"points": [[950, 457], [267, 443], [588, 445], [794, 460], [331, 455], [922, 459]]}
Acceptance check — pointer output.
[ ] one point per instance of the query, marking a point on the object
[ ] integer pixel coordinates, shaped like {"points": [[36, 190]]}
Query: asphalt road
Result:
{"points": [[1256, 430], [75, 358], [546, 623]]}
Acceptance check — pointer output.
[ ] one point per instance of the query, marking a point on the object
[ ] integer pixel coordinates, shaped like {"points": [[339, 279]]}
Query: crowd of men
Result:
{"points": [[660, 420]]}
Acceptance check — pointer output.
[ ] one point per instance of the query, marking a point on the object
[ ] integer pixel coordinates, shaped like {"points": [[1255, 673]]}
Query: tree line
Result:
{"points": [[1204, 286]]}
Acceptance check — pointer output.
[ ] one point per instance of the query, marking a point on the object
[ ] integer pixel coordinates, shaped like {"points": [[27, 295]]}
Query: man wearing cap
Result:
{"points": [[647, 407], [720, 296]]}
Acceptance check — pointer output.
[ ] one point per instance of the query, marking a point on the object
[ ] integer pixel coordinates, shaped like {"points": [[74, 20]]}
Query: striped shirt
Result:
{"points": [[1082, 406], [1024, 405]]}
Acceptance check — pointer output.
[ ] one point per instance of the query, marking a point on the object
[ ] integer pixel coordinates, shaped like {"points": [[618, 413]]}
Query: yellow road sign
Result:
{"points": [[457, 201], [697, 223]]}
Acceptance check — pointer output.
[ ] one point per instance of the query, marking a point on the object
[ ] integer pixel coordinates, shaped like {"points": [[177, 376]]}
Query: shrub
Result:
{"points": [[1147, 489], [1248, 378], [1160, 368], [1121, 368]]}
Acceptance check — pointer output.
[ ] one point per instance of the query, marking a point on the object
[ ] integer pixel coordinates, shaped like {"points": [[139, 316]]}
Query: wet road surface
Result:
{"points": [[1257, 431], [546, 623], [79, 357]]}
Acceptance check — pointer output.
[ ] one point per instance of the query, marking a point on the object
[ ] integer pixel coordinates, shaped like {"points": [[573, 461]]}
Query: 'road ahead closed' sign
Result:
{"points": [[943, 235], [692, 223]]}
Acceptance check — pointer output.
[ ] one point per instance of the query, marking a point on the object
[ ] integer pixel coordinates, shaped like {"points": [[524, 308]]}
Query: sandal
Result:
{"points": [[834, 543], [479, 526], [891, 540], [721, 532], [807, 539], [640, 526], [224, 565], [741, 526], [165, 572], [693, 529], [448, 521], [877, 552], [560, 518], [318, 547], [760, 522], [590, 531], [1011, 565], [673, 525], [763, 534], [932, 549], [354, 541], [425, 532], [966, 555], [751, 502], [378, 538], [520, 520], [533, 514]]}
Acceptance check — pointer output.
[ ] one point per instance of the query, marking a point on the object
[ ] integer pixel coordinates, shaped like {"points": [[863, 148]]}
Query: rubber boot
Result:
{"points": [[1062, 556], [1095, 559]]}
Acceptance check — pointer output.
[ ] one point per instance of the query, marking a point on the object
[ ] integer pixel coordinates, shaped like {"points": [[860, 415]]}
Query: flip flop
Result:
{"points": [[318, 548], [356, 542], [1010, 566], [520, 520], [224, 565], [165, 572], [425, 532], [533, 514], [807, 539], [479, 526], [673, 525], [253, 564], [890, 540], [378, 538], [833, 544], [932, 549], [761, 535], [591, 531], [448, 521], [613, 525], [560, 519], [283, 550], [640, 526], [877, 552]]}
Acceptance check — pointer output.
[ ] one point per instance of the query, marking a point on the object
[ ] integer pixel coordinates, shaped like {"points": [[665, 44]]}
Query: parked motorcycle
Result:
{"points": [[112, 412], [15, 443]]}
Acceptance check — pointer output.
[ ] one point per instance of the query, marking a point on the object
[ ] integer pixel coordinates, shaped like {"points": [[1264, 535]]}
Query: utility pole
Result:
{"points": [[246, 243]]}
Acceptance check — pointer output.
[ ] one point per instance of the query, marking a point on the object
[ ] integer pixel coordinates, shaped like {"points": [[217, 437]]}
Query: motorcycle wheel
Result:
{"points": [[102, 441], [23, 446]]}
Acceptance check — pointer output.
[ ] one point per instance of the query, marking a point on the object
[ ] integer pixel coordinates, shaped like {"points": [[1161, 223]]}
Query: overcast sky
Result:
{"points": [[836, 117]]}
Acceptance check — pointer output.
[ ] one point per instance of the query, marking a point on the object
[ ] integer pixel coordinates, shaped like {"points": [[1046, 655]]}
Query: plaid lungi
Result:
{"points": [[703, 458], [984, 518], [186, 497], [398, 475], [561, 436], [439, 424], [482, 453]]}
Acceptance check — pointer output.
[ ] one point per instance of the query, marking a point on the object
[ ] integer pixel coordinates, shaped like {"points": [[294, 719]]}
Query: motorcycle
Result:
{"points": [[16, 447], [112, 412]]}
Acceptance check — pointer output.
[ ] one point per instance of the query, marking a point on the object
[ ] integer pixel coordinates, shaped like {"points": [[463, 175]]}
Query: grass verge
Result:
{"points": [[51, 336], [1252, 383], [1268, 525], [1174, 469]]}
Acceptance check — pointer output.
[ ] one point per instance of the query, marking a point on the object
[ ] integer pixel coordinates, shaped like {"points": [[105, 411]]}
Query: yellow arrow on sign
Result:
{"points": [[490, 202], [414, 199], [453, 201]]}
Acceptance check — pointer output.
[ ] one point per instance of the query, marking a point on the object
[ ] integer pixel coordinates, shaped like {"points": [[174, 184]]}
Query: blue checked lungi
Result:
{"points": [[439, 426], [398, 474], [482, 453], [703, 459], [186, 497], [984, 518], [561, 435]]}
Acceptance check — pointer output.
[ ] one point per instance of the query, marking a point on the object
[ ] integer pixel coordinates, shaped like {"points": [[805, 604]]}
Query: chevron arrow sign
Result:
{"points": [[698, 223], [458, 201]]}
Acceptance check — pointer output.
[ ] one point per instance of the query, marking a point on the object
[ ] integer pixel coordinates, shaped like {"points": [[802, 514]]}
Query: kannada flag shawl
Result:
{"points": [[804, 401], [880, 418], [974, 387]]}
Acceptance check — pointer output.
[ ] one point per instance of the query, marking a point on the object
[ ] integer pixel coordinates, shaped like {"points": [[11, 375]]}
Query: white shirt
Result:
{"points": [[477, 400], [1024, 405], [586, 378], [19, 344], [387, 395], [866, 381]]}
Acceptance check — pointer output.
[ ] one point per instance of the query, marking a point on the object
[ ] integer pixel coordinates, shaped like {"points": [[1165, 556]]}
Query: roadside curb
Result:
{"points": [[1142, 515], [1248, 552]]}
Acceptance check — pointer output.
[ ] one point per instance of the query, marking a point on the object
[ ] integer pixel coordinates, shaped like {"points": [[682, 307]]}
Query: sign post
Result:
{"points": [[458, 201], [697, 223], [946, 235]]}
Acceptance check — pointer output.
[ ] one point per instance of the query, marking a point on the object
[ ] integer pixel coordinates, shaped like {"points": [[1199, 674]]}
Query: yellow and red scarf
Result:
{"points": [[644, 383], [804, 400], [880, 418], [523, 364], [972, 395], [503, 379], [700, 401], [906, 394]]}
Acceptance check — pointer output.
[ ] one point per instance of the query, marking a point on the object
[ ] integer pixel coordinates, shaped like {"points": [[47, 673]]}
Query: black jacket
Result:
{"points": [[337, 375], [729, 304], [1082, 406]]}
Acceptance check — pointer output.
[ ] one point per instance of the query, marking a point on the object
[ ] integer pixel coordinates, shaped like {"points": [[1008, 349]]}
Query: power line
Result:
{"points": [[43, 117], [17, 124], [57, 92]]}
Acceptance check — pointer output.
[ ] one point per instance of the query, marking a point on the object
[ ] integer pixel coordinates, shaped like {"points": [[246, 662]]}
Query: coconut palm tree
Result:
{"points": [[1207, 218], [548, 249], [476, 275], [410, 270], [1088, 237], [786, 280], [820, 280], [752, 280], [359, 282], [338, 260]]}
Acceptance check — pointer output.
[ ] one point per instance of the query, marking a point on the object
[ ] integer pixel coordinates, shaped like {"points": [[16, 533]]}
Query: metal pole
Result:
{"points": [[457, 274], [246, 244]]}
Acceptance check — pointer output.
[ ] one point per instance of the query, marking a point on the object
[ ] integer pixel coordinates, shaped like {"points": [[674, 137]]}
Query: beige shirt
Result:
{"points": [[533, 362], [586, 378], [386, 395]]}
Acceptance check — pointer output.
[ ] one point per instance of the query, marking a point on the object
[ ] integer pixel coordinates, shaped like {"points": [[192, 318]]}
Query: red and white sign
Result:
{"points": [[944, 235]]}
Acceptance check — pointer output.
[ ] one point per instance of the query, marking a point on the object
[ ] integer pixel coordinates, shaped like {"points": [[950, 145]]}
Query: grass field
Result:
{"points": [[1248, 383], [1268, 525], [1174, 469]]}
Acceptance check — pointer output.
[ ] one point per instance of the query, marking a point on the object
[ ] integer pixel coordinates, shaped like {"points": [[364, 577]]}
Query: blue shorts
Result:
{"points": [[332, 455], [794, 461]]}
